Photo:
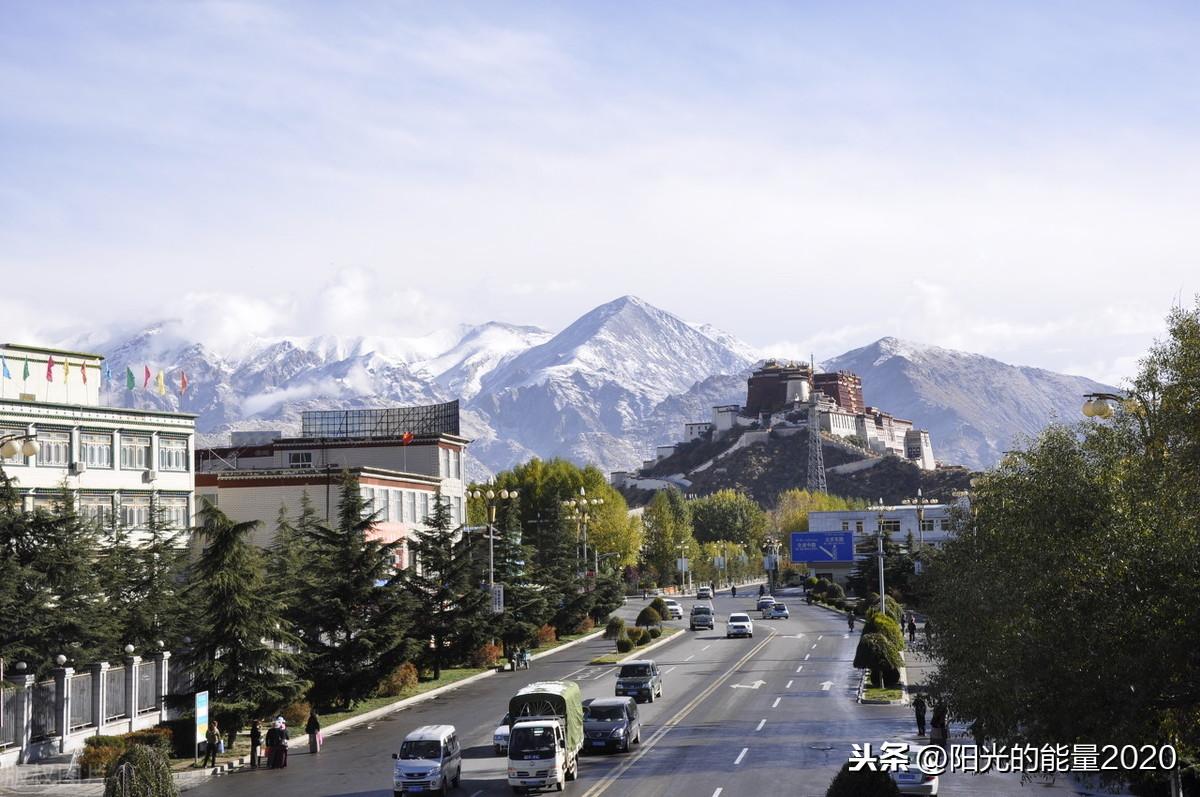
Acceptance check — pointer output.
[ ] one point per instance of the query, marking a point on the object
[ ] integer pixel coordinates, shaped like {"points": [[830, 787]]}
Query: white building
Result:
{"points": [[695, 431], [934, 528], [918, 448], [112, 460]]}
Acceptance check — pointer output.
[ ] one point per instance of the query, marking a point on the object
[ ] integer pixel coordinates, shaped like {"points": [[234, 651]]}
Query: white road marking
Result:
{"points": [[706, 647], [741, 755], [820, 636], [717, 793], [606, 672], [814, 647], [476, 793], [761, 723], [754, 685], [801, 667], [668, 669], [806, 655], [776, 703], [826, 684], [789, 685], [845, 636], [689, 658]]}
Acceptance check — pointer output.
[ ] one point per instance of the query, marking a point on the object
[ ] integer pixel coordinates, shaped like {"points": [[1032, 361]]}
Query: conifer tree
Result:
{"points": [[158, 560], [452, 609], [525, 608], [289, 557], [356, 620], [239, 639], [24, 594]]}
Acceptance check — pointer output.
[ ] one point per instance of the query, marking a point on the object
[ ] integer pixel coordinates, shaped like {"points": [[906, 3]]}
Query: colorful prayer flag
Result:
{"points": [[128, 377], [105, 373], [66, 370], [183, 383], [4, 363], [25, 375], [146, 377], [160, 383], [50, 369], [83, 370]]}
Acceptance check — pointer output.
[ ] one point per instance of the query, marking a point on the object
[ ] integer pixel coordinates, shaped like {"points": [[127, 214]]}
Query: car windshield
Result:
{"points": [[739, 618], [604, 713], [779, 606], [422, 748], [635, 671], [529, 743], [701, 610]]}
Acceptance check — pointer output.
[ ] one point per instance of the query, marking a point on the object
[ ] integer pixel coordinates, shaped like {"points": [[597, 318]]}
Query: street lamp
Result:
{"points": [[921, 502], [489, 495], [581, 509], [1098, 406], [879, 556], [10, 444], [681, 564]]}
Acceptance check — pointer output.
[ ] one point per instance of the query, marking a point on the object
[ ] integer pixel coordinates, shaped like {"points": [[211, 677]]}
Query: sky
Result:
{"points": [[1014, 179]]}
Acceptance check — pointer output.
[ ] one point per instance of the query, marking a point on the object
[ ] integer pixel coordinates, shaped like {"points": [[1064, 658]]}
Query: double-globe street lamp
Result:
{"points": [[920, 502], [12, 444], [581, 509], [1100, 405], [492, 499]]}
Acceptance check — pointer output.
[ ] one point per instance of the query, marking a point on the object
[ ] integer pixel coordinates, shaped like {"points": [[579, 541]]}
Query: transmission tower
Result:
{"points": [[816, 459]]}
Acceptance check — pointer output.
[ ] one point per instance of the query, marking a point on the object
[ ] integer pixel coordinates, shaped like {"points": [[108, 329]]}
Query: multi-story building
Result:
{"points": [[844, 387], [918, 448], [403, 457], [777, 385], [930, 525], [113, 461]]}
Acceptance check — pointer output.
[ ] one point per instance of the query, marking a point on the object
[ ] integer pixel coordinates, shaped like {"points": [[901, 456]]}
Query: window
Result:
{"points": [[444, 463], [926, 525], [97, 509], [410, 514], [96, 449], [175, 511], [135, 512], [18, 458], [457, 509], [383, 502], [845, 525], [426, 506], [172, 453], [368, 497], [946, 524], [300, 459], [55, 448], [890, 526], [858, 526], [135, 452]]}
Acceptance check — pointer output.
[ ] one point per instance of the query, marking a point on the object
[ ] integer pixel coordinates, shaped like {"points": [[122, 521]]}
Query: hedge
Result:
{"points": [[143, 771]]}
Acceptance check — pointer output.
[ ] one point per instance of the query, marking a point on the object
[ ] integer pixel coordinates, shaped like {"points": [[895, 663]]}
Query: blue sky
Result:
{"points": [[1014, 179]]}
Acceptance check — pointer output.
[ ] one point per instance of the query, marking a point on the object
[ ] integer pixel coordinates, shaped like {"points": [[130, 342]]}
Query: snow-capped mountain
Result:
{"points": [[618, 381], [974, 407]]}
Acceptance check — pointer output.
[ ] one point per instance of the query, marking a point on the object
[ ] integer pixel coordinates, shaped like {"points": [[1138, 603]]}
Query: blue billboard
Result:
{"points": [[822, 546]]}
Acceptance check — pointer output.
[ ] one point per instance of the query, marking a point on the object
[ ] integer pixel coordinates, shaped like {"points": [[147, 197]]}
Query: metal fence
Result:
{"points": [[44, 719], [9, 718], [114, 694], [147, 686], [81, 702]]}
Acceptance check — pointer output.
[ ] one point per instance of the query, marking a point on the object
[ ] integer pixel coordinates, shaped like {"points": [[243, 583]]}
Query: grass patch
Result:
{"points": [[871, 693], [616, 656]]}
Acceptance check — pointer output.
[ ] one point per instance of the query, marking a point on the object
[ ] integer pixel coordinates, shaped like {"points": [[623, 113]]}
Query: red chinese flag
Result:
{"points": [[50, 370], [146, 379], [406, 439]]}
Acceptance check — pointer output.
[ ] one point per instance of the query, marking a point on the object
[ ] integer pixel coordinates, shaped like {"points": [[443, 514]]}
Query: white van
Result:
{"points": [[430, 760]]}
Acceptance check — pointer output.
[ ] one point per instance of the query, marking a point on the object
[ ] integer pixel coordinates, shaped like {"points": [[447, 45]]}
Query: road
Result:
{"points": [[772, 715]]}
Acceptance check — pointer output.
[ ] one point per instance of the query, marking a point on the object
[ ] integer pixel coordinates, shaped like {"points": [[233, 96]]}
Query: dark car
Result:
{"points": [[640, 680], [701, 617], [611, 723]]}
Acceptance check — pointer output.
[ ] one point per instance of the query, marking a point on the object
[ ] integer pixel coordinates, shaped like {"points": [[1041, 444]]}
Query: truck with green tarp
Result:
{"points": [[546, 736]]}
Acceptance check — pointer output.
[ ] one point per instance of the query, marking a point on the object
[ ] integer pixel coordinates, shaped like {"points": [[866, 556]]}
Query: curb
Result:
{"points": [[637, 654], [376, 713], [903, 701]]}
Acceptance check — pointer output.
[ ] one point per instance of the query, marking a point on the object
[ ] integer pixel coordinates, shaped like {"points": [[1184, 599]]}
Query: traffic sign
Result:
{"points": [[497, 599], [201, 719], [822, 546]]}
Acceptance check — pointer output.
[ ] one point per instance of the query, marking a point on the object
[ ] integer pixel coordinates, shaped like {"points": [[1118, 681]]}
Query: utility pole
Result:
{"points": [[879, 555]]}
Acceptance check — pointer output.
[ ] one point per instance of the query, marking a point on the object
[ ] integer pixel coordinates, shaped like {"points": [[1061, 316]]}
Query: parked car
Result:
{"points": [[500, 735], [674, 610], [914, 781], [764, 601], [640, 679], [739, 624], [704, 593], [776, 611], [701, 617], [611, 723], [430, 760]]}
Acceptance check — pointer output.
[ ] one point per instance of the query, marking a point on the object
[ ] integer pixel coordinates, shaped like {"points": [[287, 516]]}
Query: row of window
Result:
{"points": [[408, 506], [96, 451], [450, 464], [134, 511], [893, 526]]}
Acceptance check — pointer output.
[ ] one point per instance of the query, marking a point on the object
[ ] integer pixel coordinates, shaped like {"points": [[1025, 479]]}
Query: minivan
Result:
{"points": [[430, 760]]}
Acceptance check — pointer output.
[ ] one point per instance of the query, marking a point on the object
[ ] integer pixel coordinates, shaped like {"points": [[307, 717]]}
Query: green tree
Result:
{"points": [[356, 617], [876, 653], [729, 515], [450, 602], [290, 556], [525, 607], [792, 508], [667, 525], [155, 612], [239, 640], [24, 593]]}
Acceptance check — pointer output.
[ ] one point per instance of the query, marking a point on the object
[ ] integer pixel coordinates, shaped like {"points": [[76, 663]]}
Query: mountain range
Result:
{"points": [[614, 384]]}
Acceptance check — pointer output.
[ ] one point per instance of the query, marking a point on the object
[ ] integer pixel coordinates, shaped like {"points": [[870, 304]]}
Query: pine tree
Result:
{"points": [[24, 594], [239, 639], [156, 613], [289, 557], [525, 608], [452, 608], [356, 619]]}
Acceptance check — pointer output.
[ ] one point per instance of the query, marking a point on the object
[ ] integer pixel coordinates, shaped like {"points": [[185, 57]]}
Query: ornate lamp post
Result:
{"points": [[1098, 404], [492, 499], [879, 557], [581, 509], [26, 444]]}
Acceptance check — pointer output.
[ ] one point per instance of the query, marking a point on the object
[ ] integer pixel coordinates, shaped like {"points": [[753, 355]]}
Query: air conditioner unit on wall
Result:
{"points": [[78, 467], [149, 476]]}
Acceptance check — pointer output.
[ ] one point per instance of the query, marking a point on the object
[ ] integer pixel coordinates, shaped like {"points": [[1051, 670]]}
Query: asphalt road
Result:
{"points": [[772, 715]]}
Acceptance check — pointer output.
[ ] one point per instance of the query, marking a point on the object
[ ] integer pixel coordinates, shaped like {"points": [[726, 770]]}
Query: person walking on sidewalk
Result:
{"points": [[919, 708], [255, 743], [850, 621], [939, 729], [313, 729], [912, 629]]}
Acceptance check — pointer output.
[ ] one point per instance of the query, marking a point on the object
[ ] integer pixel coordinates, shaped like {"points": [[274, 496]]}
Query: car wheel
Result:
{"points": [[625, 744], [752, 635], [558, 785], [651, 698], [458, 777]]}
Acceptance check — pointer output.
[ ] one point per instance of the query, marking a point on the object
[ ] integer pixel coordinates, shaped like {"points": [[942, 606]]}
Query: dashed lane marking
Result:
{"points": [[789, 685], [717, 793], [776, 703], [741, 755], [689, 658], [706, 647], [801, 667], [761, 723], [814, 647], [806, 655]]}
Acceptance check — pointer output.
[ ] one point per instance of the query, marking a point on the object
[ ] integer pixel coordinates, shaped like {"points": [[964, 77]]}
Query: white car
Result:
{"points": [[500, 735], [704, 593], [674, 610], [776, 611], [739, 624], [914, 781]]}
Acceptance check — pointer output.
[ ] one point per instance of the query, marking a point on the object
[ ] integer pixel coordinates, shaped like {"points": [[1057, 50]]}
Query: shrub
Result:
{"points": [[644, 638], [159, 737], [839, 603], [894, 610], [486, 655], [655, 632], [624, 644], [147, 775], [105, 740], [810, 582], [296, 713], [863, 783], [876, 653], [97, 759], [635, 635], [399, 681], [659, 605], [546, 635], [821, 586], [835, 592], [648, 617], [882, 624], [183, 736], [615, 628], [585, 625]]}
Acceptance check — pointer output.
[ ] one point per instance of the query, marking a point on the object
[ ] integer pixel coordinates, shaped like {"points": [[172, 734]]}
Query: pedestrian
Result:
{"points": [[255, 743], [283, 742], [313, 729], [912, 629], [919, 708], [273, 739], [850, 620], [644, 593], [211, 737], [939, 731]]}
